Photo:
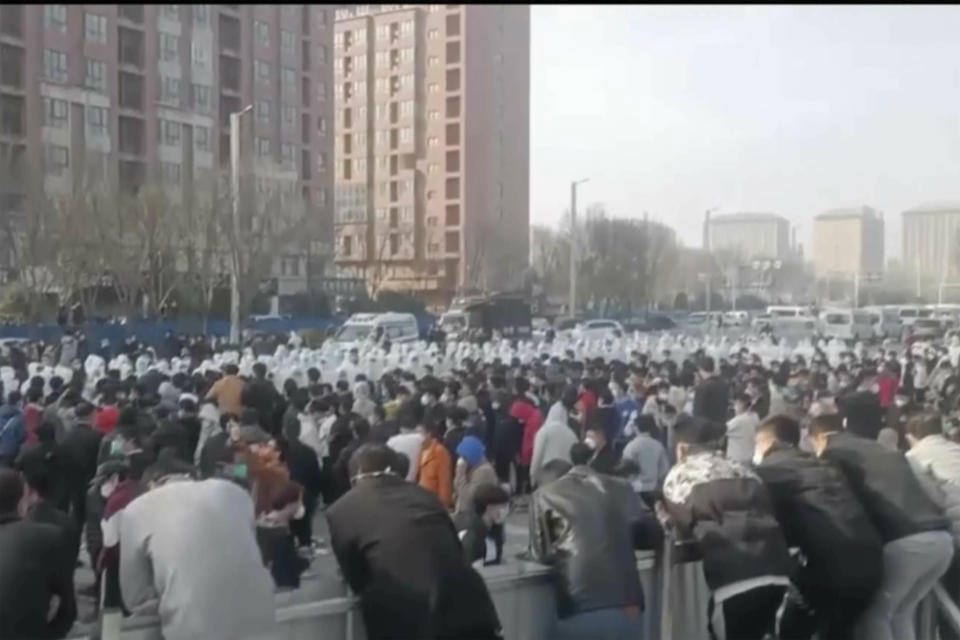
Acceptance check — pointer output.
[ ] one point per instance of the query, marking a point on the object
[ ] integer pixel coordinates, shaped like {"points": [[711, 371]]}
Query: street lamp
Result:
{"points": [[235, 189], [573, 245]]}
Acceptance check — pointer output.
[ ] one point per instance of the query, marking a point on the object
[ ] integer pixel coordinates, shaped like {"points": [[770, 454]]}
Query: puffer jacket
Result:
{"points": [[581, 525], [819, 513], [552, 441], [726, 509], [885, 485], [936, 462]]}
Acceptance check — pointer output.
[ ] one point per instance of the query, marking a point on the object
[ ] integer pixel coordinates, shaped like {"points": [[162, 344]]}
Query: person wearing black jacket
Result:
{"points": [[917, 546], [820, 515], [726, 509], [304, 469], [398, 550], [711, 398], [582, 524], [260, 394], [35, 571], [80, 448]]}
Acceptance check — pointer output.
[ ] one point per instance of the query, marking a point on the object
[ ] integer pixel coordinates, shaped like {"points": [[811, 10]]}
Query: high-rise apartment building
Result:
{"points": [[848, 242], [749, 235], [432, 146], [143, 93], [930, 234]]}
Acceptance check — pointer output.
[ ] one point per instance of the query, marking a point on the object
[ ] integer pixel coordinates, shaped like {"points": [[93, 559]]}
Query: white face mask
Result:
{"points": [[590, 442], [757, 457], [107, 488], [301, 511]]}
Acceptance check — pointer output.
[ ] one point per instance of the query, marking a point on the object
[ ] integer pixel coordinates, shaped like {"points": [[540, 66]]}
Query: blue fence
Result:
{"points": [[152, 332]]}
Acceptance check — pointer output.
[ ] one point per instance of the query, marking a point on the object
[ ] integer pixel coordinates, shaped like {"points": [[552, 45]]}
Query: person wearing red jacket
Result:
{"points": [[524, 411]]}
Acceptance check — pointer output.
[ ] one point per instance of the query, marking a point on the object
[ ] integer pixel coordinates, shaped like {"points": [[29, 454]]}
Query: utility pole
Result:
{"points": [[856, 289], [572, 304], [235, 189]]}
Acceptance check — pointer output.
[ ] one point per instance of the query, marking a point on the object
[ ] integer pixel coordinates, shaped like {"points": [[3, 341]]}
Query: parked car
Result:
{"points": [[926, 328], [847, 324], [598, 330]]}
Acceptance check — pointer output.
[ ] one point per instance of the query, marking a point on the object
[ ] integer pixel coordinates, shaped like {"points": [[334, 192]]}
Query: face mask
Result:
{"points": [[301, 511], [590, 442], [757, 457], [663, 397], [426, 400], [107, 488]]}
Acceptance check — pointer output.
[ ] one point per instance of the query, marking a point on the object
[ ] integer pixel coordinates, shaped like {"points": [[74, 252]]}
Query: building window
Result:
{"points": [[433, 87], [288, 115], [433, 34], [347, 245], [54, 113], [201, 98], [263, 111], [261, 33], [95, 76], [95, 28], [170, 12], [406, 135], [201, 138], [169, 89], [171, 172], [54, 65], [433, 141], [169, 47], [199, 55], [263, 147], [201, 14], [262, 70], [433, 61], [55, 17], [287, 157], [321, 54], [97, 120], [433, 167], [321, 125], [57, 159], [288, 81], [168, 132], [288, 43], [433, 114]]}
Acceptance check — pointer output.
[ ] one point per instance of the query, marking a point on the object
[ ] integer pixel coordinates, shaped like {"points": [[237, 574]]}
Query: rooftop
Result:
{"points": [[942, 206], [747, 217], [848, 212]]}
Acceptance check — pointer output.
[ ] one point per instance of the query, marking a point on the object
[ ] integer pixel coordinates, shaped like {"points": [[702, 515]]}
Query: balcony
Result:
{"points": [[11, 20], [11, 66], [131, 91], [131, 135], [130, 47], [11, 115], [131, 13], [229, 34]]}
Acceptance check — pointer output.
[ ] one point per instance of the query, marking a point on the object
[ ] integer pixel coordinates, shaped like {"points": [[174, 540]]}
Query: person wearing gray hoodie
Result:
{"points": [[554, 439]]}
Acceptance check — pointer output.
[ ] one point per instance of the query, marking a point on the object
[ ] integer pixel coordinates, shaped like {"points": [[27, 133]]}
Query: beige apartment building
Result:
{"points": [[749, 235], [431, 183], [930, 233], [848, 241]]}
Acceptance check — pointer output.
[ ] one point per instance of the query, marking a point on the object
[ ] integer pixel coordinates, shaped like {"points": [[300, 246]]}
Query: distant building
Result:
{"points": [[749, 235], [432, 156], [848, 241], [930, 234]]}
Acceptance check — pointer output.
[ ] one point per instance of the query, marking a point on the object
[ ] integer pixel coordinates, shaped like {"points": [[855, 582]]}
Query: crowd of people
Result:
{"points": [[816, 480]]}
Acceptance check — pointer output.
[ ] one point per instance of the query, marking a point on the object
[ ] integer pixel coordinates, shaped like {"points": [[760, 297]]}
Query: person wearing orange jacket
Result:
{"points": [[435, 468]]}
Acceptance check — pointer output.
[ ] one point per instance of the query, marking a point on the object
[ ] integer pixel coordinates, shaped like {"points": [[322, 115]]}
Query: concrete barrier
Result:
{"points": [[523, 593]]}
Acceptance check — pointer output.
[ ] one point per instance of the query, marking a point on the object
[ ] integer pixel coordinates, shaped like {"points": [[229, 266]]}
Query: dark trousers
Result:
{"points": [[831, 616], [523, 480], [950, 582], [302, 529], [746, 616]]}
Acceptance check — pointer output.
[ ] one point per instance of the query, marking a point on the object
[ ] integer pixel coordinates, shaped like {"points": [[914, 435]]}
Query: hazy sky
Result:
{"points": [[793, 110]]}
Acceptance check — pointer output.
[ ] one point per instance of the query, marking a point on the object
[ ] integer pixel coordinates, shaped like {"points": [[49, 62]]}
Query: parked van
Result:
{"points": [[886, 321], [847, 324], [397, 327], [792, 319], [910, 313], [736, 318]]}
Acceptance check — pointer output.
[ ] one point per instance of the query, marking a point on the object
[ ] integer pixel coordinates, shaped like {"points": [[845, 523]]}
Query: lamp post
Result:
{"points": [[573, 246], [235, 192]]}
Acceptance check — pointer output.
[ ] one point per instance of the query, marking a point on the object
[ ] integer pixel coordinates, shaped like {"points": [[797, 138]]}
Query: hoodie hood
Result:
{"points": [[557, 415]]}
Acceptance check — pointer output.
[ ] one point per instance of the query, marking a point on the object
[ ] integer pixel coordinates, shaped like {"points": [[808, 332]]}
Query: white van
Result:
{"points": [[397, 327], [847, 324], [736, 318], [792, 319], [910, 313]]}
